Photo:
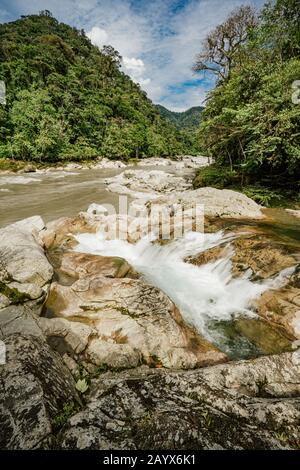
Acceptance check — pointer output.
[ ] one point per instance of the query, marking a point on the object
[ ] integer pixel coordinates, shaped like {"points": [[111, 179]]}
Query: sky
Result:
{"points": [[158, 39]]}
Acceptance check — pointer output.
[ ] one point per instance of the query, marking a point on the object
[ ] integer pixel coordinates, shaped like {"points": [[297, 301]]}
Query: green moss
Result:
{"points": [[68, 410], [13, 294], [125, 311]]}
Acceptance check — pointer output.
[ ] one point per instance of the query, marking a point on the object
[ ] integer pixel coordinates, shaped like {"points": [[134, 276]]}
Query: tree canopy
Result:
{"points": [[66, 99], [250, 123]]}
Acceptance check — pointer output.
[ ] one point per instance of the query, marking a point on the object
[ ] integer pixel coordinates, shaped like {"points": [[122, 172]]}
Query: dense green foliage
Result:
{"points": [[66, 100], [185, 120], [250, 123], [222, 176], [187, 123]]}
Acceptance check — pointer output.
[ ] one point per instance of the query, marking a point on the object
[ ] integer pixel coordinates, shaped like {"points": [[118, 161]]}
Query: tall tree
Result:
{"points": [[221, 47], [251, 123]]}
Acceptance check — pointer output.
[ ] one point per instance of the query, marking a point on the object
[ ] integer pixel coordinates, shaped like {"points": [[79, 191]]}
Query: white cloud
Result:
{"points": [[135, 69], [158, 40], [98, 36], [135, 66]]}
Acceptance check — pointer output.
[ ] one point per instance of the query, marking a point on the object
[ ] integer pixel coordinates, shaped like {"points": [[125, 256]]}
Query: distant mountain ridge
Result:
{"points": [[184, 120]]}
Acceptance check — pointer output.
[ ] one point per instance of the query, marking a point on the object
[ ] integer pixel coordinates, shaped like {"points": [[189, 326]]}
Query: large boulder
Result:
{"points": [[36, 386], [244, 405], [222, 203], [25, 272], [135, 323], [59, 233], [140, 183], [255, 254]]}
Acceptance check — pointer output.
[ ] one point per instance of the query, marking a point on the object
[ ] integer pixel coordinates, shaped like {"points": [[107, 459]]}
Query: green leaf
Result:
{"points": [[82, 385]]}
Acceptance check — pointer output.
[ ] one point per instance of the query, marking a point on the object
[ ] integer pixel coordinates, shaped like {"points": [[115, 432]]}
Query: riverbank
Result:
{"points": [[10, 166], [109, 352], [269, 191], [64, 191], [127, 336]]}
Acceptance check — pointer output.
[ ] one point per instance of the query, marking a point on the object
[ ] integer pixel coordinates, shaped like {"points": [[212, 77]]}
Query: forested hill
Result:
{"points": [[184, 120], [66, 99], [251, 122]]}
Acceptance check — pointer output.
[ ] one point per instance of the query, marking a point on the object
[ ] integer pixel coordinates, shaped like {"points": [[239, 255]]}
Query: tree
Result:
{"points": [[46, 13], [38, 132], [114, 55], [250, 123], [280, 28], [66, 99], [221, 47]]}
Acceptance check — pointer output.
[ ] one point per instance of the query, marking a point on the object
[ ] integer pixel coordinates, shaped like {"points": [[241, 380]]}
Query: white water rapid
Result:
{"points": [[202, 293]]}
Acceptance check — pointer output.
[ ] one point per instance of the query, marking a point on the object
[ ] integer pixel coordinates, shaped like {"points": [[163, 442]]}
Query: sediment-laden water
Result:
{"points": [[209, 297]]}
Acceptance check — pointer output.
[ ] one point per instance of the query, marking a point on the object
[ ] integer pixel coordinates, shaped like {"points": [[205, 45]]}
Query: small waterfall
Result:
{"points": [[204, 294]]}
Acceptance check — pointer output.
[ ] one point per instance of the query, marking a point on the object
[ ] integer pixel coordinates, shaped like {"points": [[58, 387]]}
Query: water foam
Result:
{"points": [[203, 293], [18, 180]]}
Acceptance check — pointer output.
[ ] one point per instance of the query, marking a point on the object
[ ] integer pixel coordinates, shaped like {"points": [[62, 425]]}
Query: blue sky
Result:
{"points": [[158, 39]]}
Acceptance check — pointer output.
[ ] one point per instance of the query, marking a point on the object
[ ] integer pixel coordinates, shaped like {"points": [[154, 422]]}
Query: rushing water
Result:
{"points": [[52, 195], [210, 299], [206, 294]]}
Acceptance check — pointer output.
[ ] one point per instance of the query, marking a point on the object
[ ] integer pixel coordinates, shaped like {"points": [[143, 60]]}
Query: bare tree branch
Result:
{"points": [[221, 46]]}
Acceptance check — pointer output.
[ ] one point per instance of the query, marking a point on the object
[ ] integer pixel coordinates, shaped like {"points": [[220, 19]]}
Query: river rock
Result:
{"points": [[295, 213], [135, 323], [96, 209], [24, 269], [135, 182], [81, 265], [222, 203], [35, 386], [282, 307], [198, 161], [66, 336], [180, 162], [254, 254], [35, 382], [31, 225], [244, 405], [154, 162], [106, 163], [59, 233], [19, 319]]}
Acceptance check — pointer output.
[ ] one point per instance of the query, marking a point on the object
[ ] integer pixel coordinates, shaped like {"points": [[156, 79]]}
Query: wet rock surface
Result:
{"points": [[262, 258], [66, 315], [133, 323], [256, 254], [35, 386], [246, 405], [146, 184]]}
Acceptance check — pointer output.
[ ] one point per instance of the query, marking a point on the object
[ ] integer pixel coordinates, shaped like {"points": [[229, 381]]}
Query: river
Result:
{"points": [[59, 193]]}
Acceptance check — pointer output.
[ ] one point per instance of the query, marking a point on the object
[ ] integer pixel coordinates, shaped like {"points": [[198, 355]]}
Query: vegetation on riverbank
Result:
{"points": [[264, 191], [67, 100], [251, 123]]}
